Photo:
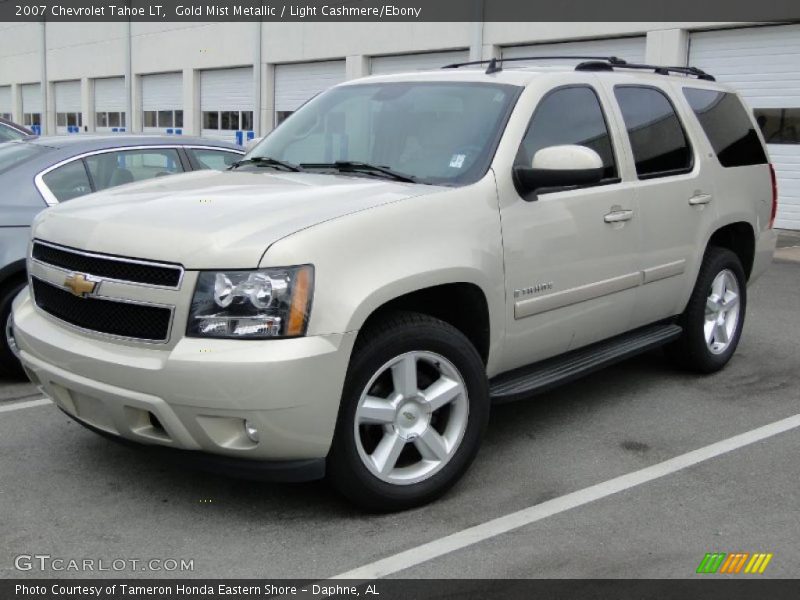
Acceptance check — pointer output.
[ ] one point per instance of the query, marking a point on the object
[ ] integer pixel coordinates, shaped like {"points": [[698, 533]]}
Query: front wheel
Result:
{"points": [[714, 317], [414, 409]]}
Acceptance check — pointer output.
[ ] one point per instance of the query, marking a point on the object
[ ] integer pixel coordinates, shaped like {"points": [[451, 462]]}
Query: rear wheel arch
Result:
{"points": [[738, 237]]}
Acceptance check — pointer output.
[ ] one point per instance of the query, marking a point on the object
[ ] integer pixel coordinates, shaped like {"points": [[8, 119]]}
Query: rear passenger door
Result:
{"points": [[675, 196]]}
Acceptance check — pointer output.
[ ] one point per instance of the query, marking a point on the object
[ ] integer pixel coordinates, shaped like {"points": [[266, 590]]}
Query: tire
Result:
{"points": [[424, 447], [10, 366], [721, 270]]}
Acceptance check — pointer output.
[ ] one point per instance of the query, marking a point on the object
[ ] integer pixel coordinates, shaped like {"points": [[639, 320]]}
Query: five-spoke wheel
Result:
{"points": [[414, 408]]}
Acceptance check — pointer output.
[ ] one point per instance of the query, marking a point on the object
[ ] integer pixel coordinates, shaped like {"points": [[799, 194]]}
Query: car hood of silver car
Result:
{"points": [[209, 219]]}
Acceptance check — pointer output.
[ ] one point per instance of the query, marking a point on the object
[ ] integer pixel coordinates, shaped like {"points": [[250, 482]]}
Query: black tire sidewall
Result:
{"points": [[9, 364], [699, 355], [345, 467]]}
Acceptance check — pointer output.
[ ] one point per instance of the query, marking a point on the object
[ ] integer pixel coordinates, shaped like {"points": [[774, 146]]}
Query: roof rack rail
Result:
{"points": [[494, 67], [658, 69]]}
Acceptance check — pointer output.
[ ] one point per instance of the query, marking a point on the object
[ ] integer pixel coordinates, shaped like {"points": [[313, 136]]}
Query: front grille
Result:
{"points": [[109, 267], [123, 319]]}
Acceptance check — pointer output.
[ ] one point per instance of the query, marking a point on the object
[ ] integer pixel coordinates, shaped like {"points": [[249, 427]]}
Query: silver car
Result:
{"points": [[39, 172]]}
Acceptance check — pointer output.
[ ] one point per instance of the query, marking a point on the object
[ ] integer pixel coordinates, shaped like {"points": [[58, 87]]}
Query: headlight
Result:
{"points": [[267, 303]]}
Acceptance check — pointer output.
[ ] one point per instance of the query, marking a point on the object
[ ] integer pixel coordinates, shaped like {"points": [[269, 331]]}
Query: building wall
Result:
{"points": [[88, 51]]}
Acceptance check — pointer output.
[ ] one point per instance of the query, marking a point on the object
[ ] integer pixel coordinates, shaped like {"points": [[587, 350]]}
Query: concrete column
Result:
{"points": [[192, 117], [489, 52], [669, 47], [267, 99], [356, 66], [87, 104], [257, 86], [134, 118], [44, 87], [49, 106], [16, 103]]}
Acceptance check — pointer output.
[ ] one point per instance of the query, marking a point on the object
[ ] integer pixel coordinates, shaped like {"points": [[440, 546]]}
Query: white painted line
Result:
{"points": [[26, 404], [526, 516]]}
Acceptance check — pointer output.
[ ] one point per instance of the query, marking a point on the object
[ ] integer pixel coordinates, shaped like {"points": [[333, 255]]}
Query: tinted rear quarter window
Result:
{"points": [[728, 127], [659, 143]]}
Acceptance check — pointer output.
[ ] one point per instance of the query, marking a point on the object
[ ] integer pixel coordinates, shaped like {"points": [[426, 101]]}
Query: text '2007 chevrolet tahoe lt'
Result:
{"points": [[400, 253]]}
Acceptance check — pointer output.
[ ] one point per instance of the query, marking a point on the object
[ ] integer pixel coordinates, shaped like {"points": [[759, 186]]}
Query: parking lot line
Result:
{"points": [[472, 535], [27, 404]]}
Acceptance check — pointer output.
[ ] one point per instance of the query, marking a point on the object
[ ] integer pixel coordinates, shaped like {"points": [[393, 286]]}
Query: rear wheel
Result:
{"points": [[9, 355], [714, 317], [414, 408]]}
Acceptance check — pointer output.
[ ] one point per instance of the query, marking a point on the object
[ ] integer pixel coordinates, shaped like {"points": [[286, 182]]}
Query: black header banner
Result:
{"points": [[398, 10], [709, 588]]}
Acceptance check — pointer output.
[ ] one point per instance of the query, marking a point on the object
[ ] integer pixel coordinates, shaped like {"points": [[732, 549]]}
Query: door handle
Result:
{"points": [[617, 215], [700, 199]]}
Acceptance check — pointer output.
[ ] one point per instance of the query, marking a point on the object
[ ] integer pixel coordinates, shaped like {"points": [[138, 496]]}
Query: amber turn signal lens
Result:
{"points": [[301, 299]]}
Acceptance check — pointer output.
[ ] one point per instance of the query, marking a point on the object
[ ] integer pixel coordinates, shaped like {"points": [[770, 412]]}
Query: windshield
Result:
{"points": [[432, 132], [13, 153]]}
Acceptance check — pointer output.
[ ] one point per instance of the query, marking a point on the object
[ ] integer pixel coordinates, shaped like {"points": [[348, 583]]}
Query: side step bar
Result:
{"points": [[527, 381]]}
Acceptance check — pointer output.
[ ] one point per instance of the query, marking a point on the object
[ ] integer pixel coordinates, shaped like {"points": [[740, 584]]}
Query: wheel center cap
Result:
{"points": [[411, 419]]}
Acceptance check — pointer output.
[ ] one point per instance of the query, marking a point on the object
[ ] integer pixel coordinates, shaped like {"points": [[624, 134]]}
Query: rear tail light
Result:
{"points": [[774, 196]]}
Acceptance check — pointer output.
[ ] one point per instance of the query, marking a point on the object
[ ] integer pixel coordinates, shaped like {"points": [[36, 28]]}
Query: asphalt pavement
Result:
{"points": [[69, 494]]}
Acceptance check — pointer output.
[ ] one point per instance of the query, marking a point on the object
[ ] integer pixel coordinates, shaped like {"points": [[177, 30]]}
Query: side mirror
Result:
{"points": [[250, 144], [558, 167]]}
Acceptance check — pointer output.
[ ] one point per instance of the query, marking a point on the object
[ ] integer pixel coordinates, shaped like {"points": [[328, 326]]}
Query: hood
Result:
{"points": [[210, 219]]}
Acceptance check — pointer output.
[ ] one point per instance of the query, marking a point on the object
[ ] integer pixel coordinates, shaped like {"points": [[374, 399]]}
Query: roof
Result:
{"points": [[88, 142], [522, 75]]}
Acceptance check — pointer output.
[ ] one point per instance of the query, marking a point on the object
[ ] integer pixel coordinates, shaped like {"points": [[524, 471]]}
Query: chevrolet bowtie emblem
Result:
{"points": [[80, 285]]}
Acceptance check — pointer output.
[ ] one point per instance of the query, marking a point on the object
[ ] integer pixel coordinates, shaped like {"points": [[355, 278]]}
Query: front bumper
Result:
{"points": [[196, 395]]}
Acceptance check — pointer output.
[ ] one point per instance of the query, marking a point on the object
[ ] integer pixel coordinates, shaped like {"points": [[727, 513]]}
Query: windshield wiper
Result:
{"points": [[266, 161], [350, 166]]}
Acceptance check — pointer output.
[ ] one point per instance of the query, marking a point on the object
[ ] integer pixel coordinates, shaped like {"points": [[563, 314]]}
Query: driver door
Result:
{"points": [[570, 254]]}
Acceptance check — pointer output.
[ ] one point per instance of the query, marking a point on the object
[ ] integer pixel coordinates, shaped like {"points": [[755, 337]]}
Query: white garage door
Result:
{"points": [[763, 64], [32, 106], [404, 63], [226, 102], [631, 49], [296, 83], [162, 103], [69, 118], [109, 104], [5, 101]]}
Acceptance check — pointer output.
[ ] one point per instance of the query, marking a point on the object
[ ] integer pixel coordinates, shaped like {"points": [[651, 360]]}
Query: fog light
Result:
{"points": [[251, 431]]}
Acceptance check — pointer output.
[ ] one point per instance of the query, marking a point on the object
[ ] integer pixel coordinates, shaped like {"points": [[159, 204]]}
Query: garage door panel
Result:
{"points": [[227, 89], [31, 98], [162, 91], [109, 94], [68, 96], [296, 83], [763, 64], [631, 49], [404, 63], [5, 99]]}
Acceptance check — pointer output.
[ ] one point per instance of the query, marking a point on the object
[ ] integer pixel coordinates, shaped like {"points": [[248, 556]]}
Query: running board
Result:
{"points": [[527, 381]]}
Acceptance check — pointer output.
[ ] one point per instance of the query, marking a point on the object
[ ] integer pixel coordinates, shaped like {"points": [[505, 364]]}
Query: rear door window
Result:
{"points": [[659, 143], [111, 169], [728, 127]]}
